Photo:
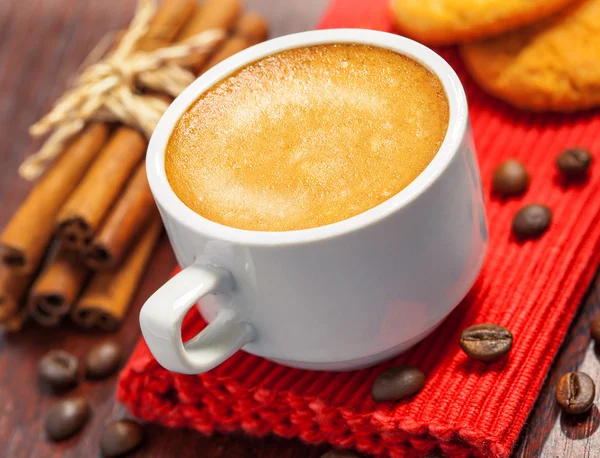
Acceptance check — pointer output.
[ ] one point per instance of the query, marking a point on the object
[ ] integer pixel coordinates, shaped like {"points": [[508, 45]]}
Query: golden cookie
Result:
{"points": [[452, 21], [553, 65]]}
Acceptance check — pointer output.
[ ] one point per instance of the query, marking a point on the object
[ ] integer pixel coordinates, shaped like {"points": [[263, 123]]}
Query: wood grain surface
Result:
{"points": [[42, 44]]}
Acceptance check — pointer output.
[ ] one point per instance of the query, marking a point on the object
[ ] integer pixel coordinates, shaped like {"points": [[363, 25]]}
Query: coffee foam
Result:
{"points": [[307, 137]]}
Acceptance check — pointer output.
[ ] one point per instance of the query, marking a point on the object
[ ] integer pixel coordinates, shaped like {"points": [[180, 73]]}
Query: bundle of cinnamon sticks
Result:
{"points": [[78, 245]]}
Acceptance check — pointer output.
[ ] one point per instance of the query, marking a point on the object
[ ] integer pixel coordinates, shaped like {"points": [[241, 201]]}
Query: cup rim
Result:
{"points": [[168, 201]]}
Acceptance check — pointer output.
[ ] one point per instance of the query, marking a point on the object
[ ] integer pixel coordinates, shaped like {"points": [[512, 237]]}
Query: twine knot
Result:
{"points": [[111, 89], [119, 70]]}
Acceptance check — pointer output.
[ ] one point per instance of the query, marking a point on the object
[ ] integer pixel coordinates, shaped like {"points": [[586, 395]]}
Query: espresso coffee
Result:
{"points": [[307, 137]]}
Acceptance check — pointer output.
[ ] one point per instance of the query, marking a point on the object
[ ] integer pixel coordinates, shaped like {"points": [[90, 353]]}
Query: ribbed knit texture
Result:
{"points": [[466, 408]]}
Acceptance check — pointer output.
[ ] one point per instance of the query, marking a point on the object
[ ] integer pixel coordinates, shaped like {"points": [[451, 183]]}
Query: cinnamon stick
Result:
{"points": [[83, 212], [13, 287], [167, 23], [123, 225], [16, 322], [57, 287], [249, 30], [106, 300], [213, 14], [8, 304], [28, 233]]}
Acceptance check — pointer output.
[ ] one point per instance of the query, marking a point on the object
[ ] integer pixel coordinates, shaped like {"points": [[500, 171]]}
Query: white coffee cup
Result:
{"points": [[337, 297]]}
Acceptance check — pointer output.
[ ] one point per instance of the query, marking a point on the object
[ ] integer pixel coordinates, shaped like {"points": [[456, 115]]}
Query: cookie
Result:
{"points": [[553, 65], [453, 21]]}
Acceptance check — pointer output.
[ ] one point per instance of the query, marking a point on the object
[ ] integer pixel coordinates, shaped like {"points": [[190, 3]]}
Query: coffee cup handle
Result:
{"points": [[163, 313]]}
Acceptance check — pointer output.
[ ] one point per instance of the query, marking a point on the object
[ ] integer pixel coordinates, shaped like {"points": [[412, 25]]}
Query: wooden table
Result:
{"points": [[42, 44]]}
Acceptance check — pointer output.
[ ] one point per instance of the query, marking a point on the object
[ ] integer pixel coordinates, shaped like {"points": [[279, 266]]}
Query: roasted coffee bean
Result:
{"points": [[66, 418], [574, 163], [595, 329], [103, 360], [510, 178], [397, 383], [531, 221], [486, 342], [58, 369], [340, 454], [121, 437], [575, 392]]}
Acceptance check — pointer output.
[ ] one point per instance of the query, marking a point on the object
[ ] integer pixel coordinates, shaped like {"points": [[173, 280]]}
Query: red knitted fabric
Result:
{"points": [[466, 408]]}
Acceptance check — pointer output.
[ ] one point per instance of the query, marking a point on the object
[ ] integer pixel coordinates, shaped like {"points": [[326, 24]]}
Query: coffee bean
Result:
{"points": [[531, 221], [595, 329], [103, 360], [340, 454], [121, 437], [58, 369], [486, 342], [397, 383], [575, 392], [574, 163], [66, 418], [510, 178]]}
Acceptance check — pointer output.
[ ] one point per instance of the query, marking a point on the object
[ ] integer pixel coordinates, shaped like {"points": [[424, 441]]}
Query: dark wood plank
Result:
{"points": [[548, 432], [43, 43]]}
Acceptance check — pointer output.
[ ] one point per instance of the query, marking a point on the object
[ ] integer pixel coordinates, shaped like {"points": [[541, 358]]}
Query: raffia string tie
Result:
{"points": [[111, 89]]}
